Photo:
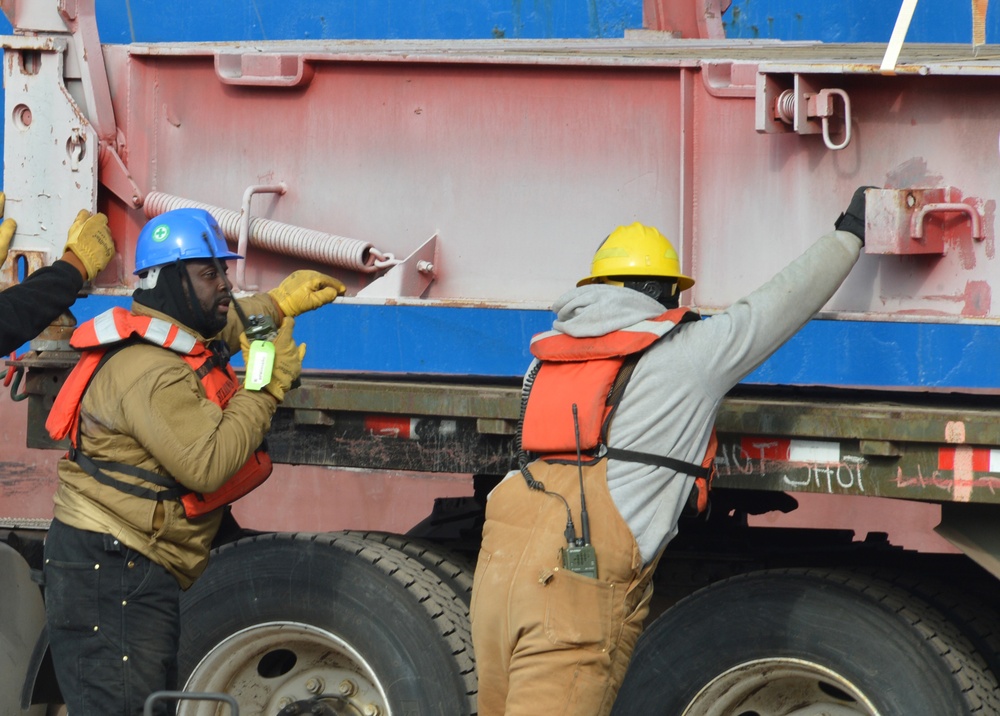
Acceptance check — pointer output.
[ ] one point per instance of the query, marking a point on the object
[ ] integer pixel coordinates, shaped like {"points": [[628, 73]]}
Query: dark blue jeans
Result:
{"points": [[113, 621]]}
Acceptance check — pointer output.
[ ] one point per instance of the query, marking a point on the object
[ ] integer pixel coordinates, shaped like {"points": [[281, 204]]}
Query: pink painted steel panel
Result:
{"points": [[521, 170], [522, 156]]}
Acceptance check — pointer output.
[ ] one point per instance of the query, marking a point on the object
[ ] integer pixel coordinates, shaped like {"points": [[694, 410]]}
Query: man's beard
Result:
{"points": [[174, 296]]}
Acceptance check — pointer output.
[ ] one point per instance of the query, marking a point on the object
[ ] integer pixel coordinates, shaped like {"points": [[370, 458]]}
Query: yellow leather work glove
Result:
{"points": [[7, 229], [287, 359], [305, 290], [90, 239]]}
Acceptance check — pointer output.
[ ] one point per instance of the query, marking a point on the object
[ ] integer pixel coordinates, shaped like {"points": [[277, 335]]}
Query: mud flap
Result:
{"points": [[23, 620]]}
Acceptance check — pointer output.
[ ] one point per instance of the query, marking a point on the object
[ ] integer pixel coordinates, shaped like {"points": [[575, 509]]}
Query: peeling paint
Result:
{"points": [[977, 299], [912, 173]]}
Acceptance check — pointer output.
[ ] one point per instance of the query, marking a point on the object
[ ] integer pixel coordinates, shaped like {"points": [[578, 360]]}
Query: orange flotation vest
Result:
{"points": [[591, 373], [97, 339]]}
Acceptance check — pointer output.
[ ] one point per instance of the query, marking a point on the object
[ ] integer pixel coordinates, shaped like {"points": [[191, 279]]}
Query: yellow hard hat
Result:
{"points": [[637, 250]]}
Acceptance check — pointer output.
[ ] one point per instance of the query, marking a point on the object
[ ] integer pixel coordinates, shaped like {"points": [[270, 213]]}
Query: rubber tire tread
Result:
{"points": [[227, 588], [862, 627], [449, 566], [974, 614]]}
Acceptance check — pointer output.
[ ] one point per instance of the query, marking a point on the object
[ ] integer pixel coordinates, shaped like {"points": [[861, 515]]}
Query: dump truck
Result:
{"points": [[850, 560]]}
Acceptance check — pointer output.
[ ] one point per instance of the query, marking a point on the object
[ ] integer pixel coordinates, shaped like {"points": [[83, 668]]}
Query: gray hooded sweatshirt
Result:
{"points": [[671, 401]]}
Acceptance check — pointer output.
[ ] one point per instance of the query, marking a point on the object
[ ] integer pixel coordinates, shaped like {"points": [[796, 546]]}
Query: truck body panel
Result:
{"points": [[464, 135], [457, 188]]}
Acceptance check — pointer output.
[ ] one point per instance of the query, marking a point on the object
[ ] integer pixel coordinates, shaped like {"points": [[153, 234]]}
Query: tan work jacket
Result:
{"points": [[147, 408]]}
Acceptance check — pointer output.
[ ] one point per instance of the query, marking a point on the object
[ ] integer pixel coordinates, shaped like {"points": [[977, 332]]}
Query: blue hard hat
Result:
{"points": [[180, 234]]}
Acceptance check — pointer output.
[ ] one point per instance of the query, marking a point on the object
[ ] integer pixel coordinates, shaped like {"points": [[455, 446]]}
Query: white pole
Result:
{"points": [[898, 35]]}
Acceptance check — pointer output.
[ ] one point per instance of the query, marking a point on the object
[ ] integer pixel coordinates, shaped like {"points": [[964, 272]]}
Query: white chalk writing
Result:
{"points": [[846, 475]]}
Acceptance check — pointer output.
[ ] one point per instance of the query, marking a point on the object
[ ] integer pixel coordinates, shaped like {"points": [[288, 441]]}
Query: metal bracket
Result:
{"points": [[409, 277], [56, 88], [804, 108], [917, 221]]}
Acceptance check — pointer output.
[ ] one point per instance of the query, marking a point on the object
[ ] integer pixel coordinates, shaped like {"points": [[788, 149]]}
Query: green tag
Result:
{"points": [[260, 362]]}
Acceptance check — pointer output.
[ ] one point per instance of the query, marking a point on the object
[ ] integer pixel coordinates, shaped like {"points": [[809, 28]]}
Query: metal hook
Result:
{"points": [[14, 395]]}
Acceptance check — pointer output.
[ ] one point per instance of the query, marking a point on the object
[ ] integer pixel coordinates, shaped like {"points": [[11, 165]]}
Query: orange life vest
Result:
{"points": [[95, 338], [591, 373]]}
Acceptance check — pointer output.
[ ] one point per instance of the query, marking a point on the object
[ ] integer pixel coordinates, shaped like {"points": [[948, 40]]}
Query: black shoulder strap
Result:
{"points": [[688, 468], [618, 389], [173, 491], [614, 397]]}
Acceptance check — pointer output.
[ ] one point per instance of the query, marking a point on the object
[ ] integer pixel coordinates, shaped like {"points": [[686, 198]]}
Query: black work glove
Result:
{"points": [[853, 219]]}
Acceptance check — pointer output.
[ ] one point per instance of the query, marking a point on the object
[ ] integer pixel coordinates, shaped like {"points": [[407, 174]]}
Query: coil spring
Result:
{"points": [[275, 236]]}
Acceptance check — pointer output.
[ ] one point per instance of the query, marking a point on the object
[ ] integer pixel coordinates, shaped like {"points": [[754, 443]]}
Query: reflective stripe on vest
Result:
{"points": [[117, 324], [113, 326]]}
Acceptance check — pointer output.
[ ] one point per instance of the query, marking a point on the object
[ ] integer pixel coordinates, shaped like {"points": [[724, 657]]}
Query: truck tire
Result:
{"points": [[450, 567], [327, 621], [768, 643]]}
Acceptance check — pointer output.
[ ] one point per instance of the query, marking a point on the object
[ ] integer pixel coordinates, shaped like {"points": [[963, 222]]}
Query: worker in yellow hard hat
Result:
{"points": [[641, 258], [617, 441]]}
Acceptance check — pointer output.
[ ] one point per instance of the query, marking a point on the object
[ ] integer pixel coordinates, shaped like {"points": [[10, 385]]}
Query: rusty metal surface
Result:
{"points": [[542, 147], [851, 417], [388, 395], [644, 48], [796, 444]]}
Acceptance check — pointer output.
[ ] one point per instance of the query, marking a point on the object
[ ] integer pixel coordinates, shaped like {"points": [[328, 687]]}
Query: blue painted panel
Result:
{"points": [[855, 21], [923, 356], [248, 20], [493, 342]]}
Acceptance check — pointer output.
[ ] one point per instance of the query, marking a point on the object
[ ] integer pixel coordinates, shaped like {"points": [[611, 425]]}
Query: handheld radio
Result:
{"points": [[260, 332], [579, 555]]}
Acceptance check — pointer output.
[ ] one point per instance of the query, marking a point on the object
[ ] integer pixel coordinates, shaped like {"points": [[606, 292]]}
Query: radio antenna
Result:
{"points": [[584, 519]]}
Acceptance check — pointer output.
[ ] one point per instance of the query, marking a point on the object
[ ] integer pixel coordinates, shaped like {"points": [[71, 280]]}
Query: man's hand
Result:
{"points": [[90, 241], [304, 291], [853, 219], [287, 360], [7, 229]]}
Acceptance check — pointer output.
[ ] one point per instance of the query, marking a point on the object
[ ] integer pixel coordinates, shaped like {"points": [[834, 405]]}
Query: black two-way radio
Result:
{"points": [[260, 331], [579, 555]]}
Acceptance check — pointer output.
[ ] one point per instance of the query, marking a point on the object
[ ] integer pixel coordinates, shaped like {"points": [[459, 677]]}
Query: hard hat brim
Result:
{"points": [[683, 282]]}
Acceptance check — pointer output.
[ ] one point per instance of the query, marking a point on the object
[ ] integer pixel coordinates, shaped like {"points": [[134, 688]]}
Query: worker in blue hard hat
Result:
{"points": [[163, 438], [617, 441], [28, 307]]}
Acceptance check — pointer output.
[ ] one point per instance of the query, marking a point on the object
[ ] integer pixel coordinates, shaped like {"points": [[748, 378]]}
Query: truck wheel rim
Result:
{"points": [[780, 687], [278, 665]]}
